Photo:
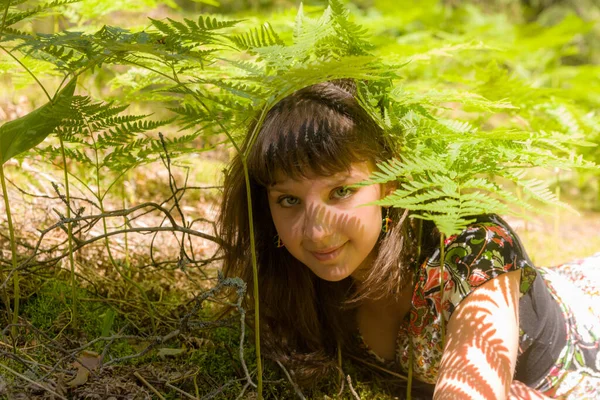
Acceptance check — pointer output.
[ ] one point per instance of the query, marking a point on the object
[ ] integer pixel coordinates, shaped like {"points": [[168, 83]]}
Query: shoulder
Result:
{"points": [[483, 251]]}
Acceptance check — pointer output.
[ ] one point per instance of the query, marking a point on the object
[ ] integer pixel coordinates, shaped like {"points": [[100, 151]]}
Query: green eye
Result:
{"points": [[343, 192], [288, 201]]}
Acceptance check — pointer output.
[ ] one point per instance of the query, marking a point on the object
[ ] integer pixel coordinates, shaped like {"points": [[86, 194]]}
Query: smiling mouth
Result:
{"points": [[328, 254]]}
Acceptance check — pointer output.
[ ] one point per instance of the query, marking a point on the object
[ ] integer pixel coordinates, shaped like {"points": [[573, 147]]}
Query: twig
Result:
{"points": [[243, 391], [356, 396], [158, 340], [186, 394], [103, 236], [148, 385], [219, 389], [34, 382], [397, 375], [294, 385], [342, 386], [59, 197]]}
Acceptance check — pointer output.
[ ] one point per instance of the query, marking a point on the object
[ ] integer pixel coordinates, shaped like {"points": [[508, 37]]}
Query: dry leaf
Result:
{"points": [[168, 352], [82, 376], [89, 359], [86, 362]]}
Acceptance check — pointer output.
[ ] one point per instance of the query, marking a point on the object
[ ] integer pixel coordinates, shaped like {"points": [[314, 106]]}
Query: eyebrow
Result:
{"points": [[332, 183]]}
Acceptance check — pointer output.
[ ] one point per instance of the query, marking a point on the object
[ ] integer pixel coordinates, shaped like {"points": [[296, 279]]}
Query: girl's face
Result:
{"points": [[323, 225]]}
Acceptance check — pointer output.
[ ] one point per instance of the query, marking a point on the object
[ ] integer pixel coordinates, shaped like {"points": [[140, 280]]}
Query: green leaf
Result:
{"points": [[24, 133]]}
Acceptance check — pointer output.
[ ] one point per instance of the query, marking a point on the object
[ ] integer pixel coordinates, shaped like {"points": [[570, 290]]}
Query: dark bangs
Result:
{"points": [[318, 131]]}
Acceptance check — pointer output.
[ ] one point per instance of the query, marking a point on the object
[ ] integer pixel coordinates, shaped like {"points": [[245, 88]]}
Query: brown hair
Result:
{"points": [[322, 130]]}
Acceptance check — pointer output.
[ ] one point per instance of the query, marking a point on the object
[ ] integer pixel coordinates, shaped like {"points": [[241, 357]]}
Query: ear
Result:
{"points": [[388, 188]]}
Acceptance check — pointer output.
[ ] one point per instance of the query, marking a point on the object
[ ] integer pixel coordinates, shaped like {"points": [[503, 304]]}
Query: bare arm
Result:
{"points": [[520, 391], [482, 342]]}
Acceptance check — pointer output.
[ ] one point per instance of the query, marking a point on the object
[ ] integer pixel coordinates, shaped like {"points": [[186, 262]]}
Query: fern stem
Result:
{"points": [[4, 17], [195, 96], [100, 197], [13, 247], [419, 241], [69, 232], [411, 347], [122, 274], [557, 213], [442, 285], [126, 236], [411, 357], [218, 121], [339, 362], [28, 71], [253, 252], [259, 370]]}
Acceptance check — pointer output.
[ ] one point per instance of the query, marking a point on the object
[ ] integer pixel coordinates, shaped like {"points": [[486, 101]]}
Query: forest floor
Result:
{"points": [[142, 328]]}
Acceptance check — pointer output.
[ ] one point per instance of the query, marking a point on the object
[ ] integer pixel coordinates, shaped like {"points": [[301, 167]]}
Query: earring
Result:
{"points": [[385, 223], [278, 243]]}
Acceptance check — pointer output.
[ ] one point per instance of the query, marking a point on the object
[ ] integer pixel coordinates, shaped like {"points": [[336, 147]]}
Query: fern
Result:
{"points": [[99, 138], [14, 17], [264, 36], [456, 132]]}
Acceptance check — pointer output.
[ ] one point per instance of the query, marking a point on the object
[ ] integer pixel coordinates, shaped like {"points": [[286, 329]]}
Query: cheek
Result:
{"points": [[373, 220], [286, 223], [276, 217]]}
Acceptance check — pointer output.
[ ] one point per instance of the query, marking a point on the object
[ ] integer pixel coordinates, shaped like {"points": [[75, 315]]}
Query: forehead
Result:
{"points": [[357, 171]]}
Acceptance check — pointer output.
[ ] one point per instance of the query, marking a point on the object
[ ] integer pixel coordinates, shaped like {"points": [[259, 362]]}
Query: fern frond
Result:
{"points": [[208, 23], [100, 122], [76, 154], [14, 17], [265, 36], [352, 37], [116, 135]]}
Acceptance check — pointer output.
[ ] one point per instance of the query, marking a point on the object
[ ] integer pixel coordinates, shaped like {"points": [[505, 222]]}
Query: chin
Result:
{"points": [[333, 276]]}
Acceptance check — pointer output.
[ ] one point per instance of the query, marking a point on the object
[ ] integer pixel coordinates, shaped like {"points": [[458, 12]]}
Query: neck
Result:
{"points": [[397, 303]]}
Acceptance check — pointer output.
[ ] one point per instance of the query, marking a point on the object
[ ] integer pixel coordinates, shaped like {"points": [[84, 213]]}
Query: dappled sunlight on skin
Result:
{"points": [[520, 391], [325, 225], [325, 230], [328, 224], [481, 348]]}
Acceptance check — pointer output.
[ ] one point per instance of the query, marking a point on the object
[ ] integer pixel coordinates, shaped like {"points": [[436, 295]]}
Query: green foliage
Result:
{"points": [[469, 130], [99, 138], [27, 132], [48, 310], [471, 102]]}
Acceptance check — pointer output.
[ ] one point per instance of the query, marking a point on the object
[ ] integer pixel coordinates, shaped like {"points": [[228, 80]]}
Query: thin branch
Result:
{"points": [[148, 385], [356, 396], [33, 382], [294, 385]]}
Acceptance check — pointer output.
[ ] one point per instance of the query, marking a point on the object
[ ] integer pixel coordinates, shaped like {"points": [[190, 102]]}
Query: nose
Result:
{"points": [[317, 224]]}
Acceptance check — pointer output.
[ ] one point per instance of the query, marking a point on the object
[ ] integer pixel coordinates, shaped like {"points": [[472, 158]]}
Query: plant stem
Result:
{"points": [[69, 232], [126, 221], [410, 343], [243, 157], [442, 284], [557, 213], [28, 71], [4, 17], [13, 247], [411, 349], [255, 279], [100, 197]]}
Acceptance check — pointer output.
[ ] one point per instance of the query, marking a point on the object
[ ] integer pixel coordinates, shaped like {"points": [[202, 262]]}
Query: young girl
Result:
{"points": [[335, 274]]}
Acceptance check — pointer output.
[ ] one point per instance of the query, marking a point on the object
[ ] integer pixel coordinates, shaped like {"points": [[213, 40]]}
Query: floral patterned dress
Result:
{"points": [[482, 252]]}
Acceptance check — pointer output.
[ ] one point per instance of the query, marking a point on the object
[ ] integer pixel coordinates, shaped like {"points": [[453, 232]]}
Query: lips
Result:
{"points": [[328, 254]]}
